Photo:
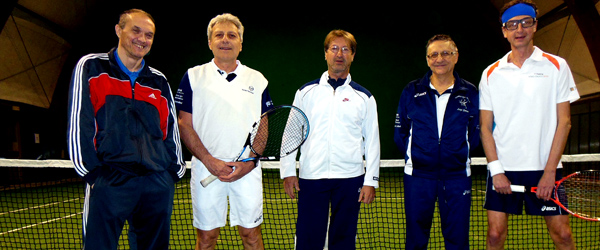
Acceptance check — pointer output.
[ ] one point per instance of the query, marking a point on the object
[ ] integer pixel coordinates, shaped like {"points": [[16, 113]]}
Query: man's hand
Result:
{"points": [[289, 184], [501, 184], [546, 186], [367, 194], [239, 170], [217, 167]]}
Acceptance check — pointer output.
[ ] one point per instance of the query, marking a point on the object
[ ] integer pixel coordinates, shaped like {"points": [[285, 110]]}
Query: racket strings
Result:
{"points": [[581, 194], [279, 133]]}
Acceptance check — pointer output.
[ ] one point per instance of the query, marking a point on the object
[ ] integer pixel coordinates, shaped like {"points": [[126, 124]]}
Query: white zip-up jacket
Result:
{"points": [[343, 129]]}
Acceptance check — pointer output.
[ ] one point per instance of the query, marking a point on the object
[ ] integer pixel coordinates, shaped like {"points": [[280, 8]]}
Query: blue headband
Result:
{"points": [[518, 10]]}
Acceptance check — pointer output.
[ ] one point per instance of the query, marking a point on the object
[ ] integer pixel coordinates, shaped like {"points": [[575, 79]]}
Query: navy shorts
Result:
{"points": [[513, 203]]}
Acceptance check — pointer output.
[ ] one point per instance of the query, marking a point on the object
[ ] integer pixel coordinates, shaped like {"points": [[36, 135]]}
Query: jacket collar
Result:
{"points": [[325, 77], [115, 65], [459, 83]]}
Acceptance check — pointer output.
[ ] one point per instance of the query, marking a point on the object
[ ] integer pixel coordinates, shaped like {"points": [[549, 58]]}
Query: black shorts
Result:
{"points": [[513, 203]]}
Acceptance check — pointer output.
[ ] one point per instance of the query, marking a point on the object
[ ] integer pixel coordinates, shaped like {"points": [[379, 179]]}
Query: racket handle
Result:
{"points": [[514, 188], [208, 180]]}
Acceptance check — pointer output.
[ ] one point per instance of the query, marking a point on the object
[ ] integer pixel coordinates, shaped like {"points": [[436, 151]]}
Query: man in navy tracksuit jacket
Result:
{"points": [[124, 142], [436, 126]]}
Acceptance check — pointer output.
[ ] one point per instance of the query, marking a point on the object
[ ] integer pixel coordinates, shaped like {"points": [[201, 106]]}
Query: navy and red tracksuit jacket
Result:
{"points": [[128, 127]]}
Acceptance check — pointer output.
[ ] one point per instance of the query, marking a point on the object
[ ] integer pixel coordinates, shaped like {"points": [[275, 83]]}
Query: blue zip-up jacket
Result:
{"points": [[416, 130], [125, 126]]}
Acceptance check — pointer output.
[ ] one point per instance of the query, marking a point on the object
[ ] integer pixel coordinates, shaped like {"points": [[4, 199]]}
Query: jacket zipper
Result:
{"points": [[331, 124]]}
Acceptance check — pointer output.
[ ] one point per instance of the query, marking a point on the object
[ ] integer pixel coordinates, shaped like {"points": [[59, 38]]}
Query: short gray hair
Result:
{"points": [[225, 17]]}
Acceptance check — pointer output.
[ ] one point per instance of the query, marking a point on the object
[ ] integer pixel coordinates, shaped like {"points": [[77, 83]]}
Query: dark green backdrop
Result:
{"points": [[284, 41]]}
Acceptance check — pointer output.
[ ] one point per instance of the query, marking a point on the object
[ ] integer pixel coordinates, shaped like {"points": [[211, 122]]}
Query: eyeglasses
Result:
{"points": [[514, 24], [444, 55], [335, 49]]}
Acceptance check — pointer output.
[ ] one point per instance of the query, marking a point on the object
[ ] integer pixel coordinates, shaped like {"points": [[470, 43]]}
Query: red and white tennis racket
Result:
{"points": [[577, 193]]}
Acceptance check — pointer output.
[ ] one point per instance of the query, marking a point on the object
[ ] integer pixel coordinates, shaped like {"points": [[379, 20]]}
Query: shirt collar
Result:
{"points": [[448, 90], [224, 74], [132, 74], [537, 55]]}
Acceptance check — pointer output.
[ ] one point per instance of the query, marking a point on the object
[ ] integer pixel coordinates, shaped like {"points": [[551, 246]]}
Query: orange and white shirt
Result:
{"points": [[524, 102]]}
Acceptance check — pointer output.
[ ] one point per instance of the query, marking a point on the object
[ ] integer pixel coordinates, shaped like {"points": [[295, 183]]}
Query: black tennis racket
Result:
{"points": [[279, 132], [577, 193]]}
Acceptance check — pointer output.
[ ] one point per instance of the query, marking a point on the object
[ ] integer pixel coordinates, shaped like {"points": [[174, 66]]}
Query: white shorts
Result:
{"points": [[210, 203]]}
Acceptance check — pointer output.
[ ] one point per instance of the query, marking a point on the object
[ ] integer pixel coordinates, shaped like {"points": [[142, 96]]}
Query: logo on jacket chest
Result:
{"points": [[463, 102]]}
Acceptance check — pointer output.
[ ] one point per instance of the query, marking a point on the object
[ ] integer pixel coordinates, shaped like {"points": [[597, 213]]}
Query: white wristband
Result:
{"points": [[495, 168]]}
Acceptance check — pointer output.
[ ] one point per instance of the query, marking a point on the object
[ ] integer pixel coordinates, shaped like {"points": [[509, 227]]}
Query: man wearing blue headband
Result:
{"points": [[525, 121]]}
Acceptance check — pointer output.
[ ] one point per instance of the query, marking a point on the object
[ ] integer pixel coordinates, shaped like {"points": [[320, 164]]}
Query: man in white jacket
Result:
{"points": [[344, 129]]}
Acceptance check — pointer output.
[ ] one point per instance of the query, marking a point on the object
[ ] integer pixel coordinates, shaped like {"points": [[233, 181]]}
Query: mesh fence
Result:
{"points": [[41, 208]]}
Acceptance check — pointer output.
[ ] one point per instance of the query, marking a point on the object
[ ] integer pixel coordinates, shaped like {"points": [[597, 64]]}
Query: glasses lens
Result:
{"points": [[511, 25], [514, 24], [527, 22], [334, 49], [433, 55]]}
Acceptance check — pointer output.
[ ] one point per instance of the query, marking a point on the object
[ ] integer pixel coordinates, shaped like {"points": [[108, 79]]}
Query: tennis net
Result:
{"points": [[41, 208]]}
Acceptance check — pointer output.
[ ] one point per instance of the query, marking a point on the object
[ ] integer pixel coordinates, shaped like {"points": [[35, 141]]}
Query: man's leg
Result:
{"points": [[560, 231], [207, 240], [151, 220], [455, 208], [344, 213], [420, 195], [313, 214], [497, 229], [209, 205], [251, 237], [109, 202]]}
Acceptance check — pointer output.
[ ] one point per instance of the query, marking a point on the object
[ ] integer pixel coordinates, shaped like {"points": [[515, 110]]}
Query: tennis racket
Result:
{"points": [[577, 193], [279, 132]]}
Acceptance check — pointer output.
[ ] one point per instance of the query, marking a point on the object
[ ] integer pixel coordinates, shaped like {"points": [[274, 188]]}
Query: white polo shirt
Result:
{"points": [[524, 102]]}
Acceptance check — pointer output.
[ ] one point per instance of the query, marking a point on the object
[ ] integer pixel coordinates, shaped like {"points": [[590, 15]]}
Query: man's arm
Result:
{"points": [[500, 182], [194, 144], [546, 183], [288, 163], [402, 123], [172, 141], [82, 123], [372, 152]]}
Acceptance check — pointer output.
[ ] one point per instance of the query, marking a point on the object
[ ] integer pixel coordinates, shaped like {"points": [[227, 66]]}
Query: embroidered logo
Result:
{"points": [[545, 208], [249, 90], [463, 101], [152, 96], [346, 100], [420, 94], [258, 218], [538, 75]]}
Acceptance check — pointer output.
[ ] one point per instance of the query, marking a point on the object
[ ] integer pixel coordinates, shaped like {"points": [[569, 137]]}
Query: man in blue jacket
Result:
{"points": [[437, 125], [123, 140]]}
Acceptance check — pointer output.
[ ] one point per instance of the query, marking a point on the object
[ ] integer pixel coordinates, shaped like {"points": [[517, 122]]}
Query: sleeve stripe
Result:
{"points": [[74, 136]]}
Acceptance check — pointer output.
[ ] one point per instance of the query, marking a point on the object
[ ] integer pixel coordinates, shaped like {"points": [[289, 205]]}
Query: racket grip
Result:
{"points": [[208, 180], [514, 188]]}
